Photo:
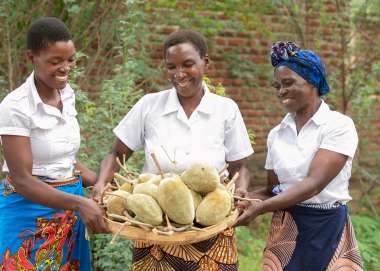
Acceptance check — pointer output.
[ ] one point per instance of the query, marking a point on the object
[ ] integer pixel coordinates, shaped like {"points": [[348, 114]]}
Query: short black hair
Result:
{"points": [[187, 36], [45, 31]]}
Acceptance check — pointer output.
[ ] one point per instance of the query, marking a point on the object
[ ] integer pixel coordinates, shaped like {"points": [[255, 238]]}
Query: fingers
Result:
{"points": [[241, 220], [240, 192]]}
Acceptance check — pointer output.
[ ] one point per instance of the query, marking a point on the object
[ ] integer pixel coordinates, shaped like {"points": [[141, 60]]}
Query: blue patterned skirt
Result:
{"points": [[36, 237]]}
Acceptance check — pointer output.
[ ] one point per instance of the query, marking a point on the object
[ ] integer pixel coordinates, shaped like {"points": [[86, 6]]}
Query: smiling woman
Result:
{"points": [[194, 126], [42, 208], [308, 165]]}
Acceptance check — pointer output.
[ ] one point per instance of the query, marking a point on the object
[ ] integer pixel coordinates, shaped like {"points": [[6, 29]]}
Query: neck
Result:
{"points": [[302, 116], [45, 93], [189, 104]]}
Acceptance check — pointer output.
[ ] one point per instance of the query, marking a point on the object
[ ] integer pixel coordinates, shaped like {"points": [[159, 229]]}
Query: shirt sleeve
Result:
{"points": [[237, 143], [268, 160], [130, 130], [12, 120], [341, 137]]}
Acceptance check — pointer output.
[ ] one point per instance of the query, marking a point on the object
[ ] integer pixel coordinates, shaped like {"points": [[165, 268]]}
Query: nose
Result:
{"points": [[179, 73], [282, 91], [67, 66]]}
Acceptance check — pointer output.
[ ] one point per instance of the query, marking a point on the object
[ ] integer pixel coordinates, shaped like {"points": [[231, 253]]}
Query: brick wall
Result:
{"points": [[257, 100]]}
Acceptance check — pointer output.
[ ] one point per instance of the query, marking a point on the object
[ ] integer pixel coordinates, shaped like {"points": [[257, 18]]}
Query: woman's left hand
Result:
{"points": [[249, 211]]}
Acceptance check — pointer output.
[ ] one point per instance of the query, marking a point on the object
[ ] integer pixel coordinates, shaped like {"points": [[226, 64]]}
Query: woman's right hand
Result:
{"points": [[92, 216], [97, 191]]}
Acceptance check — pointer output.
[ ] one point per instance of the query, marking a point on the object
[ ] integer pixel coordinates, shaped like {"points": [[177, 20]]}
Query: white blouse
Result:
{"points": [[214, 133], [290, 155], [54, 136]]}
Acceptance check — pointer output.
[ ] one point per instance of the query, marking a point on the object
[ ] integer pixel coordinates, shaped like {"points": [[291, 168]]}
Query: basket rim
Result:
{"points": [[178, 238]]}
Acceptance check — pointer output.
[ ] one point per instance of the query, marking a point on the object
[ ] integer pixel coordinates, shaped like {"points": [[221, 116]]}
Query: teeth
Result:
{"points": [[61, 78], [183, 83]]}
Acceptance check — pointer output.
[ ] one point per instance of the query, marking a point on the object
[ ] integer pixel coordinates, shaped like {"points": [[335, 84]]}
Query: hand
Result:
{"points": [[249, 211], [92, 216], [97, 192], [240, 192]]}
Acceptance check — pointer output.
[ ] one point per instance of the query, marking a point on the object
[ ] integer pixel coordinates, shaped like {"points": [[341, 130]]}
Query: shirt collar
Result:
{"points": [[173, 104], [322, 114], [319, 117], [66, 93]]}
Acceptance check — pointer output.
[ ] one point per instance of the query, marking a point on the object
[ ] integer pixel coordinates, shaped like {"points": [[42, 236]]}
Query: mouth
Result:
{"points": [[286, 101], [182, 83], [61, 78]]}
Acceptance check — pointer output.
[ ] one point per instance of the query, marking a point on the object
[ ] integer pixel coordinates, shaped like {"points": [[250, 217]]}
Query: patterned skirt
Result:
{"points": [[35, 237], [304, 238], [216, 254]]}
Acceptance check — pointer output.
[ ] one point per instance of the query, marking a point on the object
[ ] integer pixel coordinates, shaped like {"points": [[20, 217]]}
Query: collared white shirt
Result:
{"points": [[290, 155], [214, 133], [54, 136]]}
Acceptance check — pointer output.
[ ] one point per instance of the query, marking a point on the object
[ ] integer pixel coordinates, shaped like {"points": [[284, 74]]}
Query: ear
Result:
{"points": [[30, 56], [206, 59]]}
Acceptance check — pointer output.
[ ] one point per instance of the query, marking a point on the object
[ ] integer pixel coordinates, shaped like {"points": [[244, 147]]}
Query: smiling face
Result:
{"points": [[53, 65], [185, 69], [294, 92]]}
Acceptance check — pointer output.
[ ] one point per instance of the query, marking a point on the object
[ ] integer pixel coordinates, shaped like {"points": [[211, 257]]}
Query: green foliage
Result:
{"points": [[107, 256], [366, 229], [251, 243]]}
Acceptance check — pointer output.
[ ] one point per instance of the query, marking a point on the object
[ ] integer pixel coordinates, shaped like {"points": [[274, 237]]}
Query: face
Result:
{"points": [[185, 69], [53, 64], [294, 92]]}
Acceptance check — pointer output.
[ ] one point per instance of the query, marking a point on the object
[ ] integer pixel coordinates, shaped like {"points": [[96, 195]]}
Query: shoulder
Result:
{"points": [[337, 120], [224, 104], [17, 99], [155, 97], [273, 133]]}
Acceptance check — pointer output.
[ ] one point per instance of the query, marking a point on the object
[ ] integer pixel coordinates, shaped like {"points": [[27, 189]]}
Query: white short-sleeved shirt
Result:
{"points": [[214, 133], [54, 136], [290, 155]]}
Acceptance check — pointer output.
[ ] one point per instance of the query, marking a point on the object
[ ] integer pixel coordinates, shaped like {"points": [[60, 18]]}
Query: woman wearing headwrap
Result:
{"points": [[308, 167]]}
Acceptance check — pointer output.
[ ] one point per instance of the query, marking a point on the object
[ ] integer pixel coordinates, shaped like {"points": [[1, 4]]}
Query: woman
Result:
{"points": [[308, 166], [42, 208], [189, 124]]}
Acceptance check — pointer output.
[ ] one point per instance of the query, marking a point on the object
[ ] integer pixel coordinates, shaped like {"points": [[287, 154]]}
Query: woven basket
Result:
{"points": [[177, 238]]}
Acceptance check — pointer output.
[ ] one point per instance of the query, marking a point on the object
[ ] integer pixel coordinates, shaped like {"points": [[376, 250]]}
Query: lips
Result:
{"points": [[182, 83], [61, 78], [286, 101]]}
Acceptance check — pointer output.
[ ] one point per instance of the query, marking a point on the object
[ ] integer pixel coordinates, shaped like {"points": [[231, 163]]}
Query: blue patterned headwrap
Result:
{"points": [[304, 62]]}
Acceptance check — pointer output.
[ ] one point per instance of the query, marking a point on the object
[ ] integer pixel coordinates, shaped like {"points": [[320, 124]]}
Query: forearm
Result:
{"points": [[260, 193], [108, 167], [290, 197], [89, 176], [39, 192], [243, 180]]}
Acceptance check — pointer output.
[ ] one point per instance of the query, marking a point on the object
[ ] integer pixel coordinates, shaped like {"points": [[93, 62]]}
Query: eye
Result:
{"points": [[54, 62], [170, 66], [189, 64], [288, 82], [276, 86]]}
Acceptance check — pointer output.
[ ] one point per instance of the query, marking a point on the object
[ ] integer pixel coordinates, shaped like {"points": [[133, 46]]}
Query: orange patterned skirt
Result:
{"points": [[216, 254]]}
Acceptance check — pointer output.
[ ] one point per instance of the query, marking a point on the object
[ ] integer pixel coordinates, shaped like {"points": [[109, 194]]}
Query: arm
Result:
{"points": [[265, 192], [325, 166], [89, 176], [242, 183], [109, 166], [18, 154]]}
